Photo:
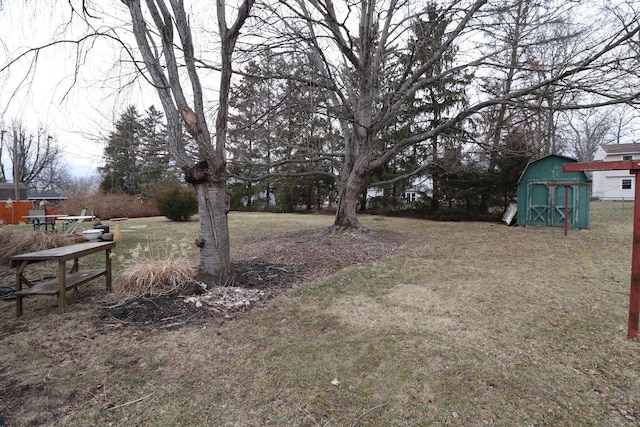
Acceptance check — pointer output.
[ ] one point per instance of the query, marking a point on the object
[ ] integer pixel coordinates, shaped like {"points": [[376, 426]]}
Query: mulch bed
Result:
{"points": [[271, 268], [253, 284]]}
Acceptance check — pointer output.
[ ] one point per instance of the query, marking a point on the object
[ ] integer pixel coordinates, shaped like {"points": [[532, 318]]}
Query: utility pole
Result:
{"points": [[16, 174]]}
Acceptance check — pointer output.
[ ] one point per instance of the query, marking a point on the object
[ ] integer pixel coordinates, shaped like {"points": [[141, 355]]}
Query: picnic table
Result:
{"points": [[64, 280], [48, 220]]}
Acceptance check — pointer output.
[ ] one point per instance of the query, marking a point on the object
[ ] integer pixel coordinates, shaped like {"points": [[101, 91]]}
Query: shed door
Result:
{"points": [[538, 204], [558, 212], [547, 205]]}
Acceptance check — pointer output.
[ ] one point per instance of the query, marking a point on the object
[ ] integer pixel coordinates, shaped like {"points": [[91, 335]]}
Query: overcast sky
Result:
{"points": [[77, 108]]}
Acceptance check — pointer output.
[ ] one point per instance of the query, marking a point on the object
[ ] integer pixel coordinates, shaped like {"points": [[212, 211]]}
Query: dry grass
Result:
{"points": [[152, 268], [466, 324], [153, 277], [14, 241]]}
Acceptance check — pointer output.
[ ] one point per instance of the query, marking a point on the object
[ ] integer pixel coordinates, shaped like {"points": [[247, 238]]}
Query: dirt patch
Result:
{"points": [[272, 266]]}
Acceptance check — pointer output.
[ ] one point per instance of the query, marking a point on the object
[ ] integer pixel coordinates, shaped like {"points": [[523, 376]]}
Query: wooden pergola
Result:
{"points": [[632, 166]]}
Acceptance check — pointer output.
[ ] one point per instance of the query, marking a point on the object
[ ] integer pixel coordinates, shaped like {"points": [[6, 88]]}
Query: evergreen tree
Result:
{"points": [[155, 162], [279, 140], [425, 110], [121, 165], [136, 154], [251, 137], [307, 176]]}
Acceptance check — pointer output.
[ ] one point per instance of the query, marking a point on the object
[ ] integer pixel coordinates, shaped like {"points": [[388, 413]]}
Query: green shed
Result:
{"points": [[545, 192]]}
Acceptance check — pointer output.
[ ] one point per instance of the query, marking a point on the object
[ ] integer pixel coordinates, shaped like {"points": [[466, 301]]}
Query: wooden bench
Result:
{"points": [[63, 281]]}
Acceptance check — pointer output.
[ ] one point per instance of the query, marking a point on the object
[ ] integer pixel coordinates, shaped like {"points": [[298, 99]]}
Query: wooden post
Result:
{"points": [[19, 270], [117, 234], [566, 209], [634, 293], [107, 275], [62, 286], [632, 166]]}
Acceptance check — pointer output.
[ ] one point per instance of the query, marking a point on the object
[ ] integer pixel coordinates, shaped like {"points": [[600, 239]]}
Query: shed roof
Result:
{"points": [[46, 196], [550, 157], [8, 190], [621, 148], [11, 185]]}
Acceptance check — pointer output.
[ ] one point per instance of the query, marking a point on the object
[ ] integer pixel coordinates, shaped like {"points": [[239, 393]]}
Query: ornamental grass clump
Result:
{"points": [[155, 278], [16, 242], [154, 271]]}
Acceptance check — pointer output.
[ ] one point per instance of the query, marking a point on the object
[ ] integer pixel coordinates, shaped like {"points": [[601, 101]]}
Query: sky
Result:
{"points": [[77, 106]]}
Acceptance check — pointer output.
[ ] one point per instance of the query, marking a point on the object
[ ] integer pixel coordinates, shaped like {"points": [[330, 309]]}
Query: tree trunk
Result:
{"points": [[435, 175], [214, 231], [351, 186], [346, 214]]}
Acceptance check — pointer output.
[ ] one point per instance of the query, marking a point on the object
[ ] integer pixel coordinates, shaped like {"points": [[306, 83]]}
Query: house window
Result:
{"points": [[627, 157], [410, 197], [626, 184]]}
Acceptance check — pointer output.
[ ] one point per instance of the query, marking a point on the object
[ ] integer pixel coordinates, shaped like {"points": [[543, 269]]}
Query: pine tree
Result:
{"points": [[279, 140], [251, 138], [425, 110], [156, 166], [120, 170], [136, 154]]}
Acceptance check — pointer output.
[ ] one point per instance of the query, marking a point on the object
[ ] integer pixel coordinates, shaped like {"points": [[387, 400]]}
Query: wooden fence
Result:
{"points": [[12, 213]]}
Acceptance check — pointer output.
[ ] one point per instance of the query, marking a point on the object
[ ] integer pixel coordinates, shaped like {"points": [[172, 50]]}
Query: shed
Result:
{"points": [[545, 192], [8, 191]]}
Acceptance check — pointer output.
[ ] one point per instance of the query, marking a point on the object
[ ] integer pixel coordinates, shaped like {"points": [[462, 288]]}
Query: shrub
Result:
{"points": [[110, 205], [176, 202]]}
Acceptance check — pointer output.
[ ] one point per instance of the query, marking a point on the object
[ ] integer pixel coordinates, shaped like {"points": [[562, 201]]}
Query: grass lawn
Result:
{"points": [[465, 324]]}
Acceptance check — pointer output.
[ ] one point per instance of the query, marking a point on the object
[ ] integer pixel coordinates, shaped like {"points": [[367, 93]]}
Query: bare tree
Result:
{"points": [[86, 185], [34, 156], [532, 44], [353, 48], [163, 54], [3, 173], [171, 65], [53, 178], [587, 130], [627, 122]]}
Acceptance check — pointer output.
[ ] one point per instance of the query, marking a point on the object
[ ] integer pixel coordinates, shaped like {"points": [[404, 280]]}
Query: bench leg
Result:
{"points": [[107, 266], [74, 268], [18, 288], [62, 286], [18, 305]]}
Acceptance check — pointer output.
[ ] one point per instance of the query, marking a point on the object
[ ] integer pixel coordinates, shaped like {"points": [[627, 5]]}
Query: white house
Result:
{"points": [[420, 186], [614, 184]]}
